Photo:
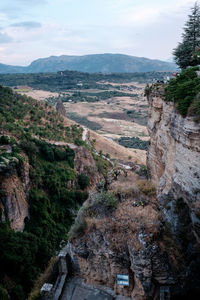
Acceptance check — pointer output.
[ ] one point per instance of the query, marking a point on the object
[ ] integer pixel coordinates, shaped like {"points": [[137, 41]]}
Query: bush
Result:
{"points": [[107, 198], [146, 187], [4, 140], [110, 200], [102, 164], [183, 89], [83, 181], [143, 171]]}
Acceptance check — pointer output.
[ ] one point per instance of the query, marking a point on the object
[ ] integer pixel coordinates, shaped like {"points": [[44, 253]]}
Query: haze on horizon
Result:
{"points": [[40, 28]]}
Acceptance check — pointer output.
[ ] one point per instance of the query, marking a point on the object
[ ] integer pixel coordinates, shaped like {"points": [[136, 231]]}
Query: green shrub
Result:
{"points": [[83, 181], [143, 171], [183, 89], [110, 200], [4, 140], [102, 164], [107, 198]]}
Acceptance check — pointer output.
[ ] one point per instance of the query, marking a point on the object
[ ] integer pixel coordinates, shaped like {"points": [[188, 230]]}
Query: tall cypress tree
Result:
{"points": [[187, 53]]}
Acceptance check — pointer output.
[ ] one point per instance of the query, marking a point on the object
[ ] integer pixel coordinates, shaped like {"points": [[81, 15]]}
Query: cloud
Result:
{"points": [[27, 25], [5, 38], [33, 2], [145, 14]]}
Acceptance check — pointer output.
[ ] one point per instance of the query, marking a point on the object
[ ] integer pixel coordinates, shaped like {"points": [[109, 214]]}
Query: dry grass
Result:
{"points": [[116, 151], [36, 94], [146, 187], [112, 127]]}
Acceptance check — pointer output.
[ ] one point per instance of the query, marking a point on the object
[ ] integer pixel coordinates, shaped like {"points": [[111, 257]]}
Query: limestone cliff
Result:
{"points": [[174, 164], [127, 238], [153, 238], [14, 179], [174, 158]]}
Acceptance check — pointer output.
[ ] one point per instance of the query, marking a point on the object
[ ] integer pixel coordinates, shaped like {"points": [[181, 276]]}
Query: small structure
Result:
{"points": [[123, 279], [46, 291]]}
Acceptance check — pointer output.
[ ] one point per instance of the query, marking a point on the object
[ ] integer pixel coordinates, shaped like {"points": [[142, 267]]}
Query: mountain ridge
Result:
{"points": [[92, 63]]}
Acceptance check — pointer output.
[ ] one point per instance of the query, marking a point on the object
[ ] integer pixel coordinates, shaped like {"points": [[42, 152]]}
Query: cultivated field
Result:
{"points": [[111, 118]]}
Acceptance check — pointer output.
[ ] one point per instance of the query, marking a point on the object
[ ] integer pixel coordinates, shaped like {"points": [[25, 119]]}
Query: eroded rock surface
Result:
{"points": [[174, 164], [128, 240], [153, 239], [15, 186], [84, 163]]}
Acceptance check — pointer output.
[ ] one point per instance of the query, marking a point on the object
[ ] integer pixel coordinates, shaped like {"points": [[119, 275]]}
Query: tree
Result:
{"points": [[187, 53]]}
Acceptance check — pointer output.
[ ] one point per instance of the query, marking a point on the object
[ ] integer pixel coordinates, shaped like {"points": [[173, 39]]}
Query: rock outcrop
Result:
{"points": [[84, 163], [60, 108], [15, 183], [127, 239], [14, 179]]}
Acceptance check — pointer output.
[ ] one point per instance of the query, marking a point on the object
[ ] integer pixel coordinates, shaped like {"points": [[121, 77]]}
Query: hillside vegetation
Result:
{"points": [[21, 115], [52, 194]]}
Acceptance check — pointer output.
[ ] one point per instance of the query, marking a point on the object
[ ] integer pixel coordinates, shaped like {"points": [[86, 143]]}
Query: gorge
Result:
{"points": [[146, 228], [151, 235]]}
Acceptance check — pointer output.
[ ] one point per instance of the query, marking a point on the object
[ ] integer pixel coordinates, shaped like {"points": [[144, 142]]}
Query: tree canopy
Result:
{"points": [[187, 53]]}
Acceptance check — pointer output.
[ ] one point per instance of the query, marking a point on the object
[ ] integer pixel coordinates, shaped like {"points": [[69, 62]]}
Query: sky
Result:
{"points": [[31, 29]]}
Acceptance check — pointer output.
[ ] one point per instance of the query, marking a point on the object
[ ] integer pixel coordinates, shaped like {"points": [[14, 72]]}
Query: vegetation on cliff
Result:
{"points": [[184, 90], [187, 53], [52, 194]]}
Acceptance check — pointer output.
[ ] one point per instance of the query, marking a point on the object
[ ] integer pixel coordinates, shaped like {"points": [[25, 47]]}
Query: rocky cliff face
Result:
{"points": [[14, 179], [60, 108], [15, 183], [174, 164], [154, 239], [84, 163], [174, 157], [126, 239]]}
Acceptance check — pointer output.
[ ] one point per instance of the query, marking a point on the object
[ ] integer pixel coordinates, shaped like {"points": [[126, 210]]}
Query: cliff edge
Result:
{"points": [[174, 164]]}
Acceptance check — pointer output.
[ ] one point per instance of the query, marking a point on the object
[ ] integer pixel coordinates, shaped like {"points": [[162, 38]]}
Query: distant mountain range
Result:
{"points": [[105, 63]]}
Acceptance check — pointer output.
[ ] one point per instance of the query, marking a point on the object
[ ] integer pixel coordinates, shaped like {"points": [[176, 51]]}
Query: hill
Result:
{"points": [[105, 63]]}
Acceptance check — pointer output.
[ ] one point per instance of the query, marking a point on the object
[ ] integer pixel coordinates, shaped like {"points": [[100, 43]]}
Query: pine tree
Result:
{"points": [[187, 53]]}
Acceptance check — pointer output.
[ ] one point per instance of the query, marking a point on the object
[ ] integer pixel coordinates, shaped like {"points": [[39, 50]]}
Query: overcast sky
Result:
{"points": [[31, 29]]}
